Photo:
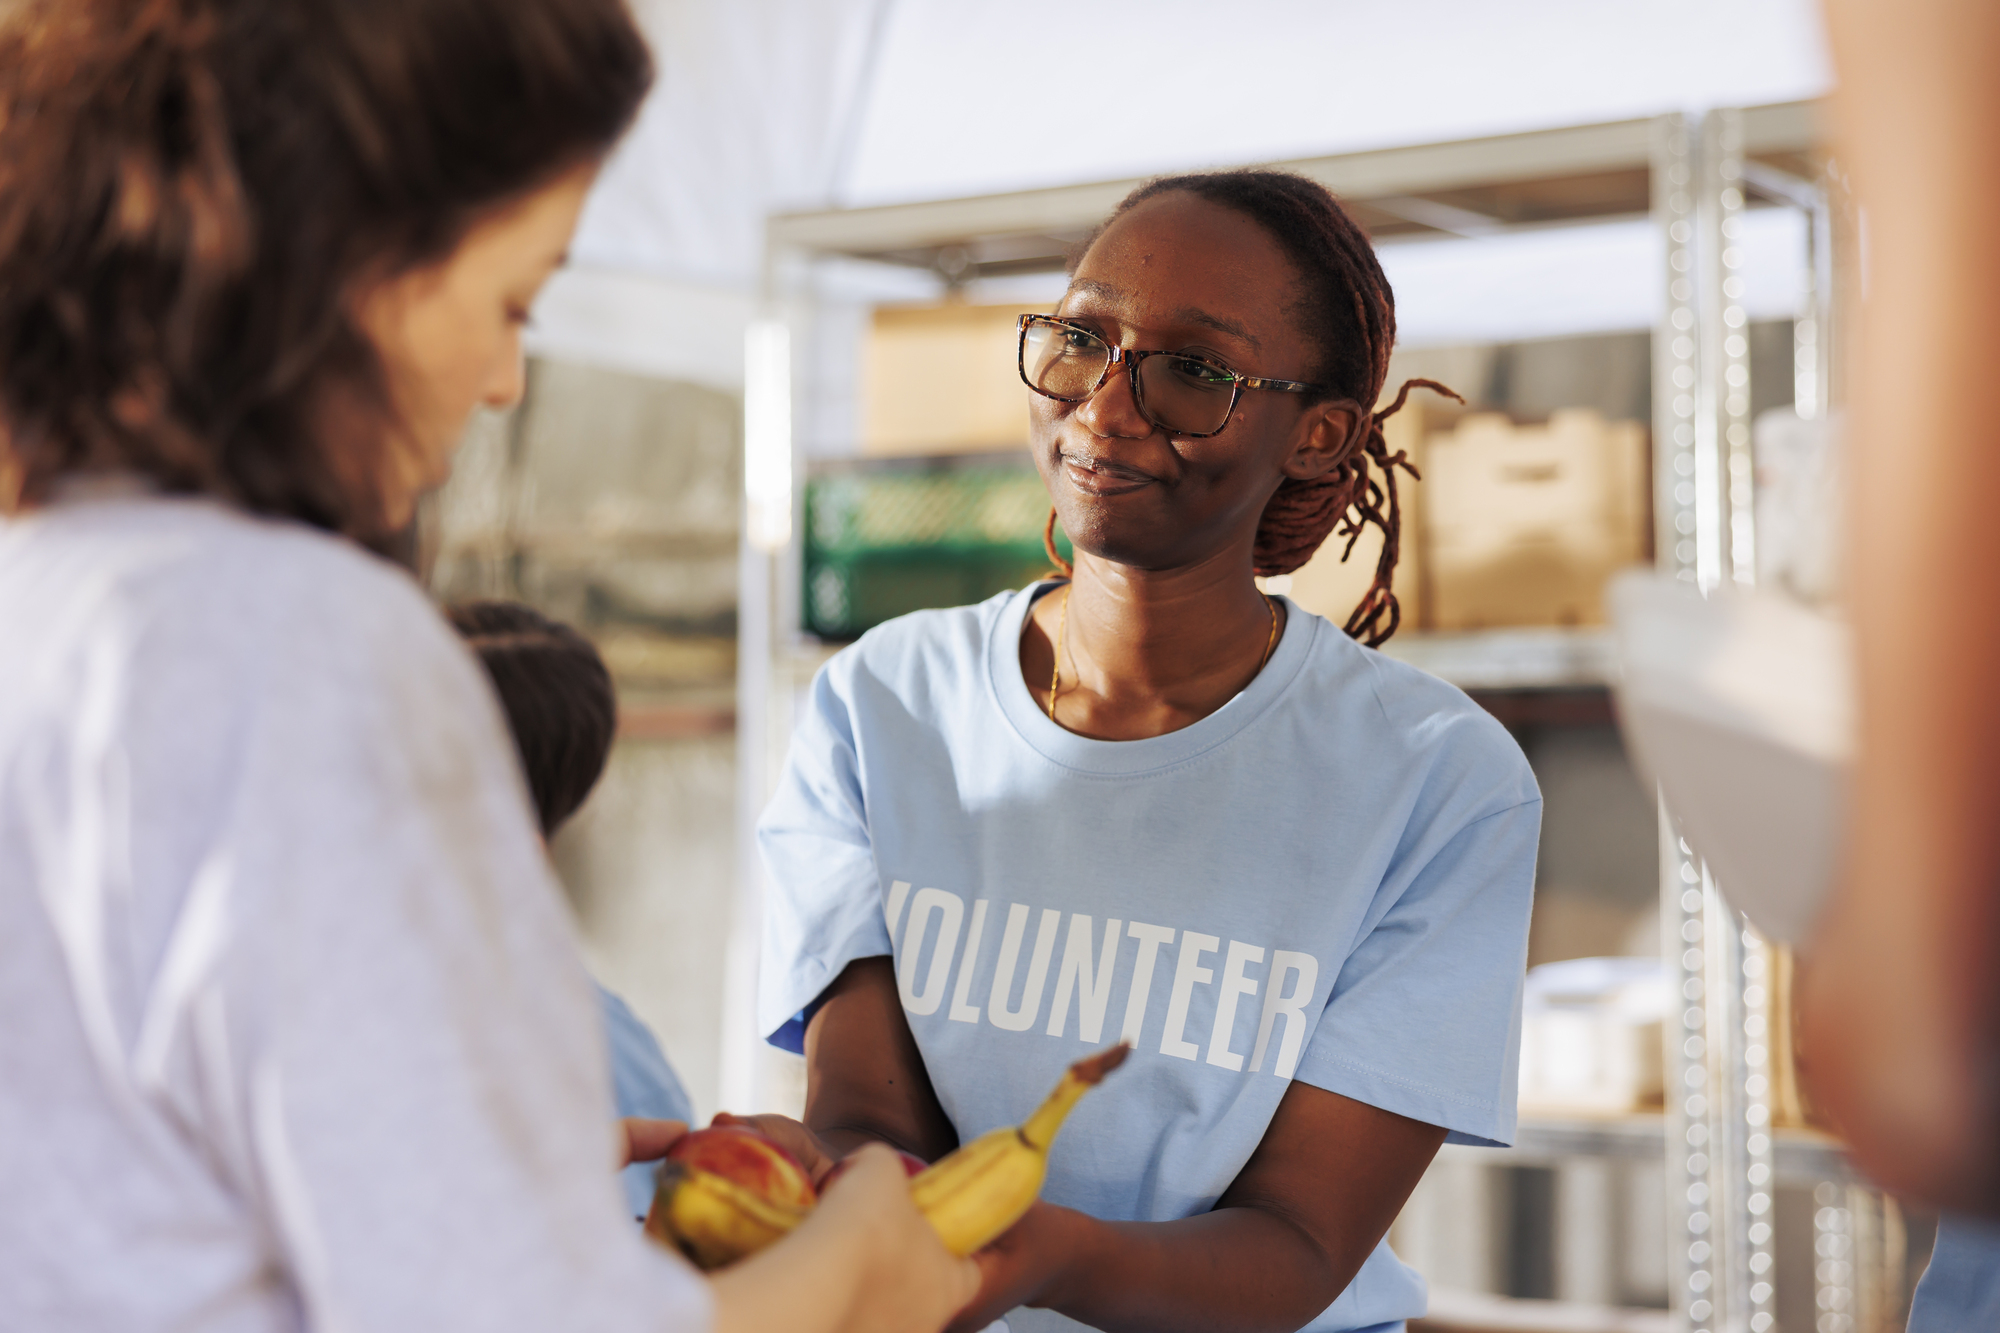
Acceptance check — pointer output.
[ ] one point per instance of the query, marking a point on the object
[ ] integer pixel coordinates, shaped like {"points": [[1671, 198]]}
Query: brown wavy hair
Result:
{"points": [[1345, 305], [194, 192]]}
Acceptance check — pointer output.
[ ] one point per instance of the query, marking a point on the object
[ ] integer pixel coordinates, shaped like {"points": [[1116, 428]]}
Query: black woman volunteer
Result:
{"points": [[294, 1032], [1150, 802]]}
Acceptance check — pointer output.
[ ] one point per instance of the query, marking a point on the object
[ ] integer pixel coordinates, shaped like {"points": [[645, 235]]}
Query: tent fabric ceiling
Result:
{"points": [[772, 105], [975, 97], [754, 102]]}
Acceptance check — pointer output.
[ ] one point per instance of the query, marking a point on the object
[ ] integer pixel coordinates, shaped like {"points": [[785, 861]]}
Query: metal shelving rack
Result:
{"points": [[1694, 175], [1724, 1158]]}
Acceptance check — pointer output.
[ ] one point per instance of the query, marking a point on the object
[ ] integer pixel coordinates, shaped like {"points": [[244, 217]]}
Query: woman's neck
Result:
{"points": [[1147, 652]]}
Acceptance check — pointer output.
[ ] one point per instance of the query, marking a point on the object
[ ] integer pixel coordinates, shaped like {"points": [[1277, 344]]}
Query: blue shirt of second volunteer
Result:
{"points": [[1327, 879]]}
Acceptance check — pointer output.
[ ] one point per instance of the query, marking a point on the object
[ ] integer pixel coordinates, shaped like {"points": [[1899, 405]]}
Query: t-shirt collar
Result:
{"points": [[1009, 692]]}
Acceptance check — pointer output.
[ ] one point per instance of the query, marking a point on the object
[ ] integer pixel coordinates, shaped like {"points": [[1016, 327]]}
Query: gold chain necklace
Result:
{"points": [[1062, 625]]}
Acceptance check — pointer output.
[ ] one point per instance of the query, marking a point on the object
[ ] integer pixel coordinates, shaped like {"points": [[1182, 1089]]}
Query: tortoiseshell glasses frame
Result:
{"points": [[1199, 377]]}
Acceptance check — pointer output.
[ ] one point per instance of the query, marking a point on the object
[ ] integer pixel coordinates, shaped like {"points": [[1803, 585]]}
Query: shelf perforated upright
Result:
{"points": [[1721, 1185]]}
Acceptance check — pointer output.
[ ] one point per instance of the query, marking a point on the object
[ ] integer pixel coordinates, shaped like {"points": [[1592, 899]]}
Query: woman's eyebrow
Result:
{"points": [[1104, 291], [1219, 323]]}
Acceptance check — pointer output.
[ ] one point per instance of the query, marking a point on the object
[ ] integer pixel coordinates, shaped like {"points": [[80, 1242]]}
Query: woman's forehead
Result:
{"points": [[1178, 261], [1105, 297]]}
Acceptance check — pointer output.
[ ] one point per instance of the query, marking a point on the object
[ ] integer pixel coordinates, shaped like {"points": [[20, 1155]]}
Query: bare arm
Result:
{"points": [[866, 1081], [1284, 1240], [1898, 1005]]}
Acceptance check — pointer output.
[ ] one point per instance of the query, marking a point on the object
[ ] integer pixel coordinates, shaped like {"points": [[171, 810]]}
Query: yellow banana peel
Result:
{"points": [[974, 1194]]}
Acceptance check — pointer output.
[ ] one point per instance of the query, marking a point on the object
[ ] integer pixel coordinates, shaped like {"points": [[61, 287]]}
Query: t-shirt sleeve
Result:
{"points": [[642, 1084], [1424, 1018], [399, 1007], [822, 901]]}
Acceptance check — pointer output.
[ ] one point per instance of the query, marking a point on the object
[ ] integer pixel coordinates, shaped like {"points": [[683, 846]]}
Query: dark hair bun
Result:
{"points": [[556, 694]]}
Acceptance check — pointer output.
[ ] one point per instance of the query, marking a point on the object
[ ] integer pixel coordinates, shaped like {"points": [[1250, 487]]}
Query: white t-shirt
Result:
{"points": [[1327, 879], [293, 1029]]}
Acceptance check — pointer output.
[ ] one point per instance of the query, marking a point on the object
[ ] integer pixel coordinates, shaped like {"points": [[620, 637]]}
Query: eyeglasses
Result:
{"points": [[1184, 395]]}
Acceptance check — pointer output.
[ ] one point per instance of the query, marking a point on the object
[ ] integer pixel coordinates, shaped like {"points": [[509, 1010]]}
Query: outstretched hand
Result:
{"points": [[813, 1153], [864, 1261], [649, 1140], [909, 1282], [1018, 1268]]}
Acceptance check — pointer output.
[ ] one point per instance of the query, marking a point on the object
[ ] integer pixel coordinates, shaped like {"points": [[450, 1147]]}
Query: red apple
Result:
{"points": [[912, 1165], [745, 1157]]}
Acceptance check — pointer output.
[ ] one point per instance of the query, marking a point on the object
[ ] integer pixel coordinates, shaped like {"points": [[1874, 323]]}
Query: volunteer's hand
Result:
{"points": [[1028, 1260], [813, 1152], [911, 1283], [648, 1140]]}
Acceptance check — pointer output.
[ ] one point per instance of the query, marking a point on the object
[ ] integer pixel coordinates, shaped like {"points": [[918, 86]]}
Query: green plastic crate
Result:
{"points": [[883, 541]]}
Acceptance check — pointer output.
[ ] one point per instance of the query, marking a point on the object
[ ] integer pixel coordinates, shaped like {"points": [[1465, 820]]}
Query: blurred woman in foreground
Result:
{"points": [[293, 1032], [1902, 1003]]}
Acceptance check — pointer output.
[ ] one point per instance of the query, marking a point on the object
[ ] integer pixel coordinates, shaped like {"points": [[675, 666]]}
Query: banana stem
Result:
{"points": [[1038, 1131]]}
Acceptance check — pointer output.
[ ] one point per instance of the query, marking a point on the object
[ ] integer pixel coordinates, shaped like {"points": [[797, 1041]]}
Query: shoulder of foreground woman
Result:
{"points": [[274, 610]]}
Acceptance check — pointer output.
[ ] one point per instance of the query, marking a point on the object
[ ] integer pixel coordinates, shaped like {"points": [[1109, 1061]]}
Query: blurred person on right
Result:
{"points": [[1901, 1005]]}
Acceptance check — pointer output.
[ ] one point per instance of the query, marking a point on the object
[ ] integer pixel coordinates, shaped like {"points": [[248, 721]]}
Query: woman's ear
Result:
{"points": [[1327, 435]]}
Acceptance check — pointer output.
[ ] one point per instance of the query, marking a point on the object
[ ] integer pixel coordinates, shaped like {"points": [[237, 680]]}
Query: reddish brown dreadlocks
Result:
{"points": [[1347, 308]]}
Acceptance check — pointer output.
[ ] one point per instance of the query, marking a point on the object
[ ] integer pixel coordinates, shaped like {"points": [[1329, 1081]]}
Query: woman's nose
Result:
{"points": [[1113, 412], [508, 380]]}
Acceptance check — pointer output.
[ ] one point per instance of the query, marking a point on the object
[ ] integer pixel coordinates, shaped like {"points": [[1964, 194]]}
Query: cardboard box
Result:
{"points": [[943, 380], [1588, 1062], [1591, 1037], [1525, 524]]}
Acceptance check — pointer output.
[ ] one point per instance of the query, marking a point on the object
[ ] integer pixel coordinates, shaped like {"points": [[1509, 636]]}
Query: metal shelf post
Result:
{"points": [[1719, 1141]]}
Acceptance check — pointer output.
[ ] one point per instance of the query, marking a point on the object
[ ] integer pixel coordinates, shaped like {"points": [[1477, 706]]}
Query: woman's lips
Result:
{"points": [[1103, 478]]}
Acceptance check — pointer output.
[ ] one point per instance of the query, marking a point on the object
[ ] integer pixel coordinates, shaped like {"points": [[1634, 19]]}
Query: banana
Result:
{"points": [[713, 1220], [977, 1192]]}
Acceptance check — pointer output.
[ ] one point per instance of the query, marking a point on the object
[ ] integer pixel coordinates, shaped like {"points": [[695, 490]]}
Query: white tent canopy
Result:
{"points": [[780, 105]]}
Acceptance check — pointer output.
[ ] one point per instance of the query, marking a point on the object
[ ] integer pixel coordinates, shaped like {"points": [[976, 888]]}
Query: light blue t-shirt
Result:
{"points": [[1327, 879], [642, 1084], [1960, 1291]]}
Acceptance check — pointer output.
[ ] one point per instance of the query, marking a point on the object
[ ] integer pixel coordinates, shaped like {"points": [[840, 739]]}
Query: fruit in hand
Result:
{"points": [[751, 1159], [912, 1165], [726, 1192], [976, 1193]]}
